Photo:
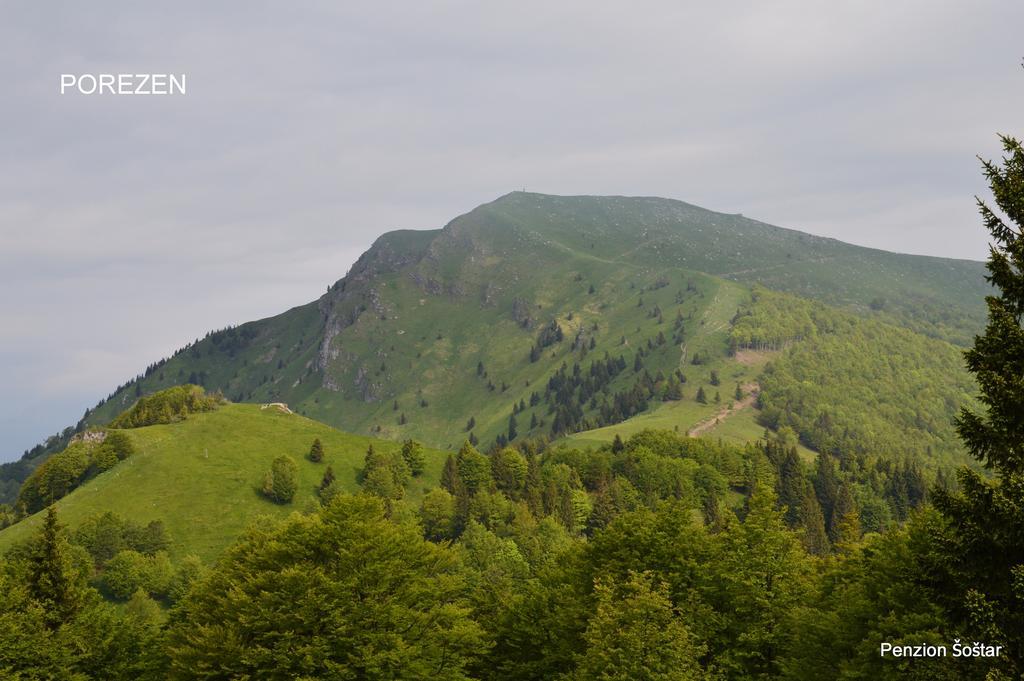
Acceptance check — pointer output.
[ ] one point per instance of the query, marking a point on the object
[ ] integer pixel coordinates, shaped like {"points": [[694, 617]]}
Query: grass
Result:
{"points": [[743, 427], [201, 476]]}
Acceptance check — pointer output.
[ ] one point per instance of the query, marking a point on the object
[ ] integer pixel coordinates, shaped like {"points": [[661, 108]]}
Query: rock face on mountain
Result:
{"points": [[431, 328]]}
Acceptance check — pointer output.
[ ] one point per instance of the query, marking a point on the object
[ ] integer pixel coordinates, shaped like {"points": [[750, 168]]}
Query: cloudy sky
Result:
{"points": [[129, 226]]}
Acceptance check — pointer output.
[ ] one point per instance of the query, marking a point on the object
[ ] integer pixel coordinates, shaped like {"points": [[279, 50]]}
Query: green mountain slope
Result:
{"points": [[393, 349], [860, 389], [201, 476]]}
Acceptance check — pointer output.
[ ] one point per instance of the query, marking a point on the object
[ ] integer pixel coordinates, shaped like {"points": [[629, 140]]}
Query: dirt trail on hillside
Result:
{"points": [[750, 390]]}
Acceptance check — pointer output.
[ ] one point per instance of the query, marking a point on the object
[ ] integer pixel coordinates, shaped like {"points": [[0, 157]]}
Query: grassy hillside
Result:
{"points": [[201, 476], [393, 349]]}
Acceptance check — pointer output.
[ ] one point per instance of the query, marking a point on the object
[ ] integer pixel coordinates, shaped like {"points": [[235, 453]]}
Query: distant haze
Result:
{"points": [[131, 225]]}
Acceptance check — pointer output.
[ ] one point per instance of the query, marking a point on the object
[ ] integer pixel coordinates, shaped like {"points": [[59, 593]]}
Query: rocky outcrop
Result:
{"points": [[90, 436], [521, 313]]}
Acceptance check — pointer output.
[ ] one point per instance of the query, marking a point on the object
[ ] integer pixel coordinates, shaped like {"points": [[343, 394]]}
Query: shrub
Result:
{"points": [[168, 406], [280, 484]]}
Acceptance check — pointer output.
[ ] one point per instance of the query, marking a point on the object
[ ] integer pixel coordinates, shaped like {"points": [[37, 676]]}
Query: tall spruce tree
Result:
{"points": [[981, 552], [53, 580]]}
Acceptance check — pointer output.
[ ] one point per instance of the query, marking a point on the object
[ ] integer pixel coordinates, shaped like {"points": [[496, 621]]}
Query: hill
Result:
{"points": [[201, 476], [451, 333]]}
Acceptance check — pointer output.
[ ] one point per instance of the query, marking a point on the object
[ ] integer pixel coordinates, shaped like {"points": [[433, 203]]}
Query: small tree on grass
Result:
{"points": [[279, 483], [316, 452], [327, 479], [701, 397]]}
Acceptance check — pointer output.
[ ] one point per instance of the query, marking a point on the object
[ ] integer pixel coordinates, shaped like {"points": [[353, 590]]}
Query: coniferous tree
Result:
{"points": [[845, 529], [711, 511], [826, 486], [450, 475], [316, 452], [701, 397], [415, 459], [982, 555], [328, 478], [815, 538], [618, 446], [791, 484], [53, 580]]}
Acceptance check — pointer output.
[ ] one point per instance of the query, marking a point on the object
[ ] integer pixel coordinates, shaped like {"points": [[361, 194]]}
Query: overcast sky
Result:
{"points": [[131, 225]]}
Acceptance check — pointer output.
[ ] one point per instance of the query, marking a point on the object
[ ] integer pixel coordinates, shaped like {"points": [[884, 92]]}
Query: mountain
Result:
{"points": [[462, 332]]}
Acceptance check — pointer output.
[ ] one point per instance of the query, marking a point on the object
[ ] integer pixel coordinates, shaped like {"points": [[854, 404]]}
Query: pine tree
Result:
{"points": [[53, 580], [450, 475], [982, 556], [712, 511], [791, 486], [316, 452], [328, 478], [845, 529], [512, 427], [738, 395], [532, 486], [618, 446], [701, 397], [826, 486], [815, 538]]}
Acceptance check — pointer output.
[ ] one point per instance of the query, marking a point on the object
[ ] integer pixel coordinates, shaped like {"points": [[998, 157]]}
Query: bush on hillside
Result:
{"points": [[280, 483], [168, 406]]}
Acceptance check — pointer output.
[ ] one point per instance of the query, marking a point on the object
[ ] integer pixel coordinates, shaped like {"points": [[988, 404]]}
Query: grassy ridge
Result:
{"points": [[201, 476], [416, 314]]}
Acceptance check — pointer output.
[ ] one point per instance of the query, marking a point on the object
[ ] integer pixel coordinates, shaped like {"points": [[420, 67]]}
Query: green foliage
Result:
{"points": [[279, 483], [860, 388], [342, 593], [509, 469], [385, 474], [130, 571], [66, 470], [437, 514], [774, 320], [54, 626], [978, 567], [636, 633], [474, 469], [415, 458], [107, 534], [54, 579], [167, 406], [316, 451]]}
